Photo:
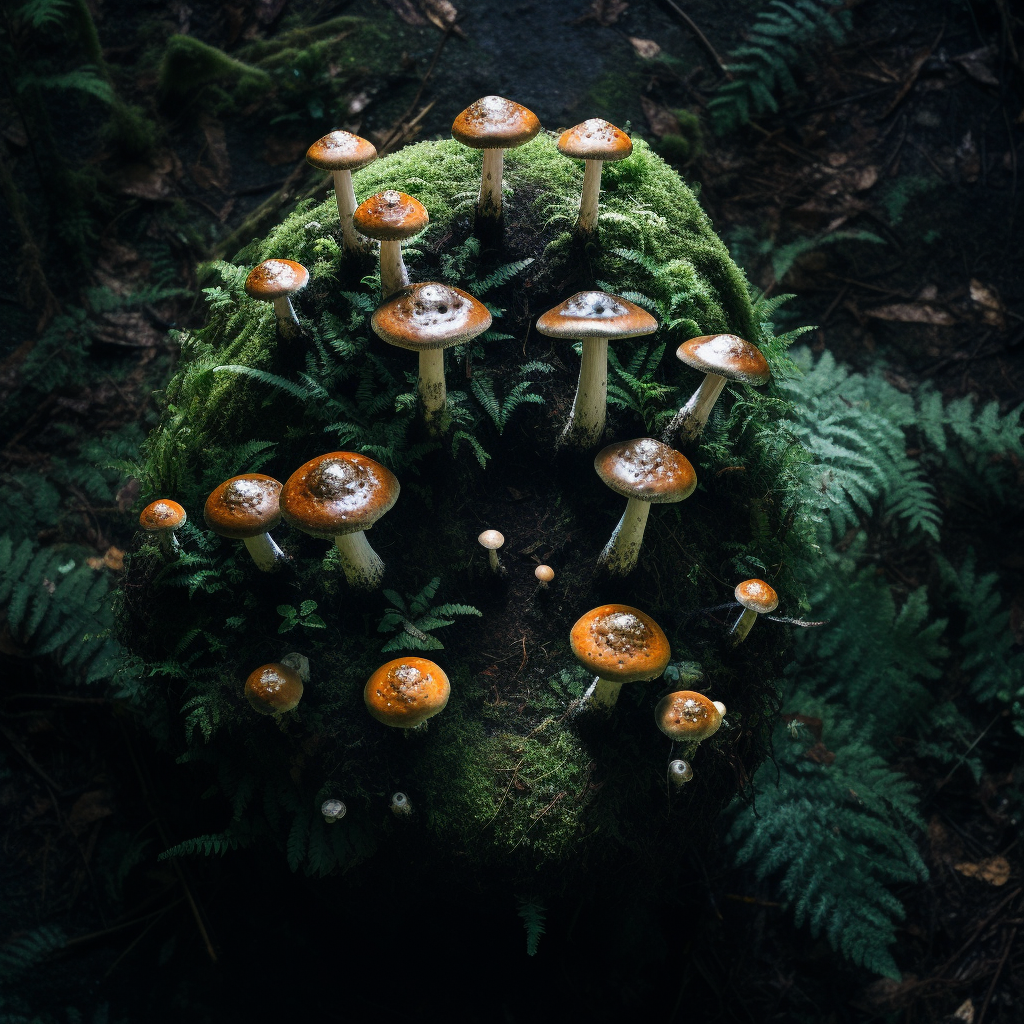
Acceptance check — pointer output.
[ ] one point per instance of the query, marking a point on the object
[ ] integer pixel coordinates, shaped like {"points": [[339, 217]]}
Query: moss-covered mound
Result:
{"points": [[509, 775]]}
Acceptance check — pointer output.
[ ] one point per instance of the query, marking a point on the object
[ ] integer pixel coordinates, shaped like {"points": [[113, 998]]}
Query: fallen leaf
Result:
{"points": [[944, 846], [965, 1012], [976, 65], [90, 807], [126, 495], [648, 49], [661, 120], [992, 308], [993, 870], [865, 179], [277, 151], [928, 293], [820, 754], [911, 313], [358, 103], [604, 12], [442, 14], [407, 11]]}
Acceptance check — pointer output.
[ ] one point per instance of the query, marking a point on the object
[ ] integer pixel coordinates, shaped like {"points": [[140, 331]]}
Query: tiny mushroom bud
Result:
{"points": [[679, 772], [163, 517], [333, 810], [401, 805], [494, 124], [341, 153], [722, 357], [405, 692], [687, 717], [757, 598], [276, 281], [427, 318], [245, 508], [390, 217], [621, 645], [338, 497], [274, 689], [297, 663], [595, 318], [594, 141], [545, 574], [646, 472], [720, 706], [491, 541]]}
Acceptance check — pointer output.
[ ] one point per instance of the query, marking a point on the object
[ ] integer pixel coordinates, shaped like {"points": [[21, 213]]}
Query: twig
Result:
{"points": [[963, 756], [995, 977], [701, 38], [915, 70], [92, 936]]}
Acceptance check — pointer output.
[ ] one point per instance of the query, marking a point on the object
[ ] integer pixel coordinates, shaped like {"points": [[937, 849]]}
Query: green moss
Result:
{"points": [[614, 92], [189, 64]]}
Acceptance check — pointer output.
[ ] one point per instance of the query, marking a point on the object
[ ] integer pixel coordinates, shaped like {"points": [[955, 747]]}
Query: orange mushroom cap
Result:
{"points": [[687, 716], [162, 514], [430, 315], [726, 355], [244, 506], [273, 689], [390, 216], [646, 469], [341, 151], [620, 644], [338, 493], [596, 314], [494, 122], [271, 279], [595, 139], [405, 692], [758, 596]]}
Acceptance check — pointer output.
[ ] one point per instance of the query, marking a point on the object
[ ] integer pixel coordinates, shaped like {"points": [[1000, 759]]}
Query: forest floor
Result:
{"points": [[910, 131]]}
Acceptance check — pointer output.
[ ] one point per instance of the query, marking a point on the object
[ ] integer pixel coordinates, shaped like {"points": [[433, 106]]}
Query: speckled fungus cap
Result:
{"points": [[491, 539], [494, 122], [273, 689], [595, 139], [430, 315], [338, 493], [596, 315], [271, 279], [620, 644], [646, 469], [726, 355], [341, 151], [687, 716], [406, 692], [757, 596], [244, 506], [390, 216], [162, 514]]}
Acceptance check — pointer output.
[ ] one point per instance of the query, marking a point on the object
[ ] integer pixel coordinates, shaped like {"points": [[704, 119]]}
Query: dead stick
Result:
{"points": [[701, 38], [995, 977]]}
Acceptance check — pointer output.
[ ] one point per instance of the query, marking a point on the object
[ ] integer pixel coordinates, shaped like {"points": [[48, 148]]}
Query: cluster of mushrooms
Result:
{"points": [[340, 495]]}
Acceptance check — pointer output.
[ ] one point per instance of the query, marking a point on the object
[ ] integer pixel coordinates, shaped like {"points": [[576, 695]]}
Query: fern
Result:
{"points": [[782, 38], [532, 912], [415, 618], [500, 410]]}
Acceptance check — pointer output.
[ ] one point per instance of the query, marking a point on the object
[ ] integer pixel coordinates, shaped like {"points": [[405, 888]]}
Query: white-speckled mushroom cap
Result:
{"points": [[646, 469]]}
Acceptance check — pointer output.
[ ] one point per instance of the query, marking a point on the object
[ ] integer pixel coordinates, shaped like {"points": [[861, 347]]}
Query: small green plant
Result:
{"points": [[415, 618], [533, 913], [305, 616]]}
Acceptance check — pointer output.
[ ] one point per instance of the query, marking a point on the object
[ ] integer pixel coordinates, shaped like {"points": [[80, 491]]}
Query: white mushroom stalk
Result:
{"points": [[586, 223], [489, 207], [688, 423], [589, 408], [393, 273], [345, 195], [363, 567], [265, 552], [432, 389], [620, 554], [602, 694], [743, 625], [287, 321]]}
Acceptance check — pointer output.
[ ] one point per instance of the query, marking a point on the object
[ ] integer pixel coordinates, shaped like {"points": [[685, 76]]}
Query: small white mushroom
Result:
{"points": [[491, 541], [333, 810], [401, 805], [757, 598], [679, 772]]}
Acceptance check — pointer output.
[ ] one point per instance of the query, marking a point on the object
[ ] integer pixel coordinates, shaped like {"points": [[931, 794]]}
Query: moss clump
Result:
{"points": [[508, 775]]}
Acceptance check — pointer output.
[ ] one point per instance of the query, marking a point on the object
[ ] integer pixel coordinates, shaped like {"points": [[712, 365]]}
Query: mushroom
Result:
{"points": [[276, 281], [757, 598], [687, 717], [594, 141], [428, 318], [494, 124], [545, 574], [401, 805], [163, 517], [333, 810], [720, 707], [595, 318], [245, 508], [722, 357], [679, 772], [341, 153], [647, 473], [491, 541], [338, 497], [621, 645], [390, 217], [274, 689], [405, 692]]}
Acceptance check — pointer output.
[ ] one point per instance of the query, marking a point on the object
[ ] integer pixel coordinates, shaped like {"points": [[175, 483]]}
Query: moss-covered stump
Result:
{"points": [[510, 775]]}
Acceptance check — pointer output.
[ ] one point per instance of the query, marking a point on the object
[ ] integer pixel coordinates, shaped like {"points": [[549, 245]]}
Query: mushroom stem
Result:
{"points": [[492, 559], [586, 223], [265, 552], [345, 194], [602, 694], [623, 549], [393, 275], [287, 321], [589, 407], [690, 420], [433, 393], [169, 543], [488, 206], [743, 625], [363, 567]]}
